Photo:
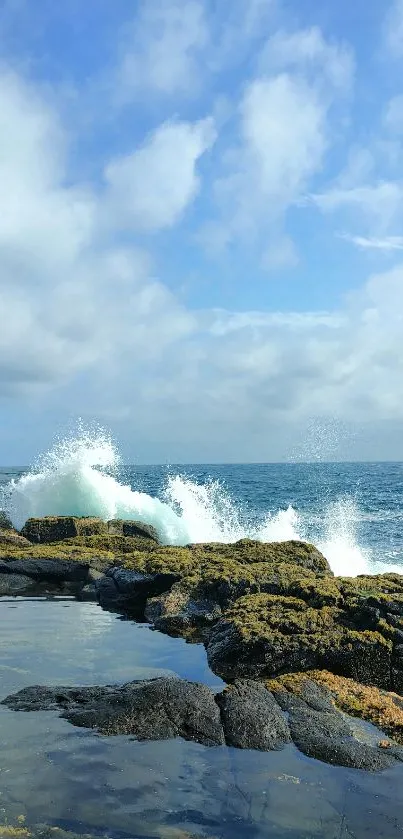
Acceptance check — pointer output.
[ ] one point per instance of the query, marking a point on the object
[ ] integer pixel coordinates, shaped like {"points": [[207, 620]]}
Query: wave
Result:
{"points": [[79, 476]]}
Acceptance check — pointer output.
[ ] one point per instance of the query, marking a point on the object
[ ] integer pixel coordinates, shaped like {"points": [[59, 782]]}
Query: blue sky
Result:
{"points": [[201, 241]]}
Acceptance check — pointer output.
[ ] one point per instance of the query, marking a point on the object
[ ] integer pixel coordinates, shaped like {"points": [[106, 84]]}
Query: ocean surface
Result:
{"points": [[352, 511]]}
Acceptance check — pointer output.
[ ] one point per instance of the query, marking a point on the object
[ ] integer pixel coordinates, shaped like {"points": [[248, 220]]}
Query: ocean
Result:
{"points": [[353, 512]]}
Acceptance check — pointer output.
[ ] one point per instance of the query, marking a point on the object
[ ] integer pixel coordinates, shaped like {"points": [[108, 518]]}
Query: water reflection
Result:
{"points": [[52, 772]]}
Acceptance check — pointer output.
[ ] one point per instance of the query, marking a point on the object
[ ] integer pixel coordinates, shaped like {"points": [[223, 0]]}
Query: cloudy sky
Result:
{"points": [[201, 227]]}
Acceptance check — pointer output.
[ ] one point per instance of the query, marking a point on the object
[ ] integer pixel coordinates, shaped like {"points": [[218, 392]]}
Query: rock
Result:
{"points": [[251, 717], [5, 521], [319, 730], [265, 635], [147, 710], [88, 593], [12, 585], [180, 612], [383, 709], [123, 527], [57, 528], [249, 551], [128, 591], [54, 570], [9, 536]]}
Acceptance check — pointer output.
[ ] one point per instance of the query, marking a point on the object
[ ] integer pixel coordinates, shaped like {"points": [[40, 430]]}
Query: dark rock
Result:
{"points": [[121, 527], [154, 710], [344, 752], [5, 521], [128, 591], [12, 585], [57, 528], [181, 612], [251, 717], [56, 570]]}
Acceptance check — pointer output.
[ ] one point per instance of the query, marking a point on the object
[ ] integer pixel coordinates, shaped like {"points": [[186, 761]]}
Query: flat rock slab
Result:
{"points": [[245, 715], [47, 569], [158, 709]]}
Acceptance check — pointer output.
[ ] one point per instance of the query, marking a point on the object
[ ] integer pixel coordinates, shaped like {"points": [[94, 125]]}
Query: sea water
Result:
{"points": [[353, 512]]}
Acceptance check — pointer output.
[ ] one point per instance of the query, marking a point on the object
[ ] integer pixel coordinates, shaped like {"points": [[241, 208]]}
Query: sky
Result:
{"points": [[201, 227]]}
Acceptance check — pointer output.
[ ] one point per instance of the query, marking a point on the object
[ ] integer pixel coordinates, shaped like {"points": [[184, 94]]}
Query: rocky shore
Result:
{"points": [[308, 658]]}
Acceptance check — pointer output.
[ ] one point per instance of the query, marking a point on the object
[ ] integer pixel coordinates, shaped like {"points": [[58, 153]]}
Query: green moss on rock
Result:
{"points": [[56, 528]]}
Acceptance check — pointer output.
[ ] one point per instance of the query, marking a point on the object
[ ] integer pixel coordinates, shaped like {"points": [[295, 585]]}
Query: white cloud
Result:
{"points": [[393, 115], [150, 188], [308, 51], [161, 49], [390, 243], [393, 30]]}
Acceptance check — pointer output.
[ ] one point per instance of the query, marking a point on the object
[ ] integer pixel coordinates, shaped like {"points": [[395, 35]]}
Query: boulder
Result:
{"points": [[127, 591], [57, 528], [319, 730], [147, 710], [123, 527], [13, 585], [245, 715], [51, 570], [251, 717], [182, 612], [9, 536], [5, 521], [265, 635]]}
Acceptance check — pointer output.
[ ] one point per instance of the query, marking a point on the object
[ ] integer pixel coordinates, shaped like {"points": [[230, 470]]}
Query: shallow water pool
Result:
{"points": [[52, 772]]}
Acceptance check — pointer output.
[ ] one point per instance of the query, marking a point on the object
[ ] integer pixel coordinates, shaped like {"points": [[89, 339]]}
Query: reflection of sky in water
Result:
{"points": [[50, 771]]}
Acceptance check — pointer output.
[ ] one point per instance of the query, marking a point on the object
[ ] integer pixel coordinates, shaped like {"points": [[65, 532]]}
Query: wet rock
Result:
{"points": [[128, 591], [180, 612], [12, 585], [9, 536], [57, 528], [265, 635], [121, 527], [55, 570], [154, 710], [5, 521], [251, 717]]}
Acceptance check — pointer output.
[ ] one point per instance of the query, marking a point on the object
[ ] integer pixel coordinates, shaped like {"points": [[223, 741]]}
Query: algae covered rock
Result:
{"points": [[9, 536], [128, 591], [265, 635], [13, 585], [56, 528], [182, 611], [123, 527]]}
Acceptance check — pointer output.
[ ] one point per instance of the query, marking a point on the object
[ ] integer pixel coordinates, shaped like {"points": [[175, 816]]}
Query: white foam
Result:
{"points": [[77, 478]]}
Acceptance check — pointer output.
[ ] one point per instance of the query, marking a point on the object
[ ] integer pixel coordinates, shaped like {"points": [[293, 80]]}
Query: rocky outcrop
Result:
{"points": [[245, 715], [183, 612], [5, 521], [57, 528], [265, 635], [128, 591], [150, 710], [9, 536], [123, 527]]}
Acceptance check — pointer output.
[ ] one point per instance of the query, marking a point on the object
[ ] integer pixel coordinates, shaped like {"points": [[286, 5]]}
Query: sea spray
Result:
{"points": [[79, 476]]}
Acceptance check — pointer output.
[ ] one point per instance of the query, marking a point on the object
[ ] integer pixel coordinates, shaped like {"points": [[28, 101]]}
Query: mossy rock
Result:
{"points": [[9, 536], [265, 635], [56, 528], [382, 708], [250, 551], [123, 527]]}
